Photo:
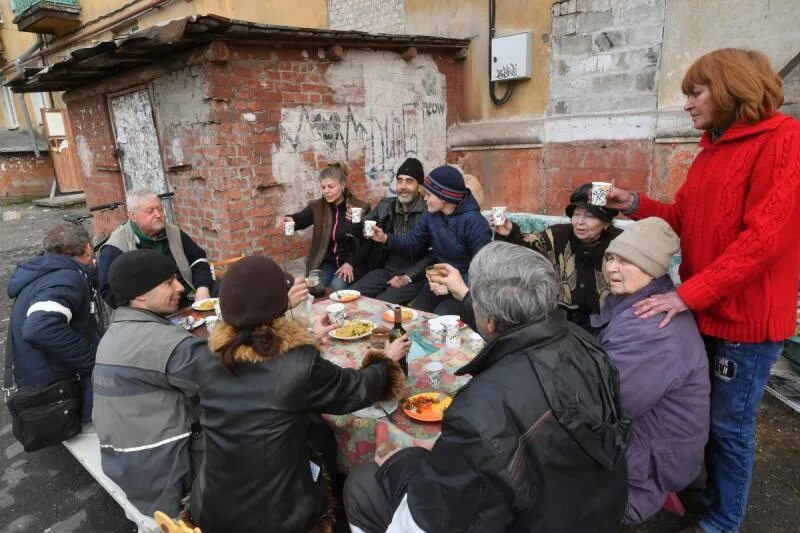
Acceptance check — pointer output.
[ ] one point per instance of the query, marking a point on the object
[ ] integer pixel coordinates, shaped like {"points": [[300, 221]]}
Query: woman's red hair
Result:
{"points": [[742, 83]]}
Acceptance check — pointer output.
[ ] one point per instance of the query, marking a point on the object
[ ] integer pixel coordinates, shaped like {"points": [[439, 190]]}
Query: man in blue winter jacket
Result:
{"points": [[54, 331]]}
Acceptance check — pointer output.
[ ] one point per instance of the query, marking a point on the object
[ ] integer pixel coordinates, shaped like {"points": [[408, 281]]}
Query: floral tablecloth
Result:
{"points": [[362, 439]]}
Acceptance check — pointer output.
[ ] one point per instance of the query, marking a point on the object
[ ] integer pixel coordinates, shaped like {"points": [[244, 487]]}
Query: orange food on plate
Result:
{"points": [[425, 408], [407, 315]]}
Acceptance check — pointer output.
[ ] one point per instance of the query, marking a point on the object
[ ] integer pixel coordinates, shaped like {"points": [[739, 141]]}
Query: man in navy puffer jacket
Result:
{"points": [[55, 334], [452, 227]]}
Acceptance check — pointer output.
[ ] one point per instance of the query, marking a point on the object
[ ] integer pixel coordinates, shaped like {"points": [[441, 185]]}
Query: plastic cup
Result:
{"points": [[355, 214], [433, 371], [211, 322], [369, 228], [476, 342], [288, 227], [599, 192], [336, 313], [451, 334], [217, 309], [499, 216], [437, 331]]}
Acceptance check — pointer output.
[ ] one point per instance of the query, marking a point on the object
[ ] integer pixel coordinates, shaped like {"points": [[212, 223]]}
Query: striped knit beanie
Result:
{"points": [[447, 183]]}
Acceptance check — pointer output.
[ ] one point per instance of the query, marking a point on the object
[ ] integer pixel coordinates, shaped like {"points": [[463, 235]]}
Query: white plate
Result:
{"points": [[344, 296], [367, 334], [373, 411], [198, 303], [449, 318]]}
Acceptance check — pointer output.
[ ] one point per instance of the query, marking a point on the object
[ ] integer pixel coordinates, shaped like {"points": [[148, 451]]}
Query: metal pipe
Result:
{"points": [[27, 116]]}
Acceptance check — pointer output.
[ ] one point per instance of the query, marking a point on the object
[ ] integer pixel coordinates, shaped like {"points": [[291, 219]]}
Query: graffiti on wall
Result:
{"points": [[398, 119]]}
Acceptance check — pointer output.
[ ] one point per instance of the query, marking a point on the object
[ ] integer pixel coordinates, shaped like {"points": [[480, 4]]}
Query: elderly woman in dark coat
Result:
{"points": [[257, 392], [576, 251], [663, 371]]}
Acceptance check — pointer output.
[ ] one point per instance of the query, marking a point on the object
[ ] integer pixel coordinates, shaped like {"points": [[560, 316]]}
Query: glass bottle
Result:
{"points": [[396, 332]]}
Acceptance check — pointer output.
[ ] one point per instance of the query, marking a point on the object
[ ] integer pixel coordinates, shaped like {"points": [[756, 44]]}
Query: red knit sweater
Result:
{"points": [[738, 216]]}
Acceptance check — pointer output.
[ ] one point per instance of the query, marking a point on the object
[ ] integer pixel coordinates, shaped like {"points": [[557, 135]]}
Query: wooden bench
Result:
{"points": [[85, 447]]}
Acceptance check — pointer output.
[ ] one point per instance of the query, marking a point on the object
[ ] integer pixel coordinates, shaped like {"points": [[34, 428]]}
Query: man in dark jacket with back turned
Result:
{"points": [[396, 276], [534, 442], [54, 332]]}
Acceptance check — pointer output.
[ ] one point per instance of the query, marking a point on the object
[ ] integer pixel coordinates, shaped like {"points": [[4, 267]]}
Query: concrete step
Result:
{"points": [[65, 200]]}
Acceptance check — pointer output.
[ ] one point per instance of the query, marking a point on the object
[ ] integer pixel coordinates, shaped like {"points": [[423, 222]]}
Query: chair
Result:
{"points": [[218, 268], [166, 524]]}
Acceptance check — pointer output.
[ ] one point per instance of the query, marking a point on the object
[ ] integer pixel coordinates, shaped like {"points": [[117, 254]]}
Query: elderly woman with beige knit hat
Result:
{"points": [[663, 371]]}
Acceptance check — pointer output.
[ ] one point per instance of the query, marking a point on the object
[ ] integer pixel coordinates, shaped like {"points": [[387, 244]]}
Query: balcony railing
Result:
{"points": [[47, 16], [18, 6]]}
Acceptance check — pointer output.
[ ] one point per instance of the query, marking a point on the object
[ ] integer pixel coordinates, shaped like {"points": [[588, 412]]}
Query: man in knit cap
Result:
{"points": [[394, 276], [145, 387], [663, 371]]}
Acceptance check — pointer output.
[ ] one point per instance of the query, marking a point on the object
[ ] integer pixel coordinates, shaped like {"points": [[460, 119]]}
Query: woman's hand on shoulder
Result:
{"points": [[669, 303]]}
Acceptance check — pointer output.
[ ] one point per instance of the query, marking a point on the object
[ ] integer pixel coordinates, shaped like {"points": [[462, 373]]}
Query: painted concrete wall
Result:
{"points": [[386, 16], [240, 155], [24, 176]]}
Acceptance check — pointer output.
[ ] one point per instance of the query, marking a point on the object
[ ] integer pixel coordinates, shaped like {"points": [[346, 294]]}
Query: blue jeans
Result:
{"points": [[330, 279], [739, 373]]}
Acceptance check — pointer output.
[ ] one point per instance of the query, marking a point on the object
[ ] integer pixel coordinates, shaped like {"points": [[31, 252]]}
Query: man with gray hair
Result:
{"points": [[147, 227], [534, 442], [54, 331]]}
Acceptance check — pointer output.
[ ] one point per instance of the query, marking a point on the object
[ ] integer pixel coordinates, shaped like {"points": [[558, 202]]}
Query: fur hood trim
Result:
{"points": [[291, 332], [397, 380]]}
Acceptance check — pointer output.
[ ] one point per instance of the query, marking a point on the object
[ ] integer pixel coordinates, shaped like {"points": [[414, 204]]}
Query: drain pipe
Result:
{"points": [[31, 134]]}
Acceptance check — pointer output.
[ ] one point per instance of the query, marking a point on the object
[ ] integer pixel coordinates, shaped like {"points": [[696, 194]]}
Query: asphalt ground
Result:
{"points": [[49, 491]]}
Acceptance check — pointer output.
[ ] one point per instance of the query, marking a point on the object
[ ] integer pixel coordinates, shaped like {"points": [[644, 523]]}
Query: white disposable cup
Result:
{"points": [[599, 192], [475, 341], [211, 322], [355, 215], [437, 331], [369, 228], [451, 334], [336, 313], [288, 227], [499, 216], [433, 371], [217, 309]]}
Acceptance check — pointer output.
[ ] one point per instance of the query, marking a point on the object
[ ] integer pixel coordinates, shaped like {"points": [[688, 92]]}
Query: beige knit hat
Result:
{"points": [[648, 243]]}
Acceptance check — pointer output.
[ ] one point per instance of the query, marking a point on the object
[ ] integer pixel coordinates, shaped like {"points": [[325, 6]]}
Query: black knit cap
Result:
{"points": [[255, 292], [580, 198], [135, 273], [447, 183], [412, 167]]}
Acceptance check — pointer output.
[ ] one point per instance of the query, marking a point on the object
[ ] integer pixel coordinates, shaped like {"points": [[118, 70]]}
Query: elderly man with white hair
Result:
{"points": [[534, 442], [147, 227]]}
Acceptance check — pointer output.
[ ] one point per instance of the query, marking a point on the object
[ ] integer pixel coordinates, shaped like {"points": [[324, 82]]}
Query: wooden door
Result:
{"points": [[62, 149], [137, 143]]}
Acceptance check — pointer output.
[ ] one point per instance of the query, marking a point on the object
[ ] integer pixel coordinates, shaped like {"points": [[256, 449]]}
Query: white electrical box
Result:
{"points": [[511, 57]]}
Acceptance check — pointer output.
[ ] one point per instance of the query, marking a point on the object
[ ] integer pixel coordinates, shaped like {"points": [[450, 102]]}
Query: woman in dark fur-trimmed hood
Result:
{"points": [[259, 390]]}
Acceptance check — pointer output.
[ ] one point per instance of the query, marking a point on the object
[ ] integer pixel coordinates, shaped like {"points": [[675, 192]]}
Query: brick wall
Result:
{"points": [[243, 136], [94, 140], [23, 176], [374, 16]]}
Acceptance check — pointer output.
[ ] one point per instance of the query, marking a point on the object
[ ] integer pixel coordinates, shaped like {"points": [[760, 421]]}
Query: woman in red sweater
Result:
{"points": [[736, 214]]}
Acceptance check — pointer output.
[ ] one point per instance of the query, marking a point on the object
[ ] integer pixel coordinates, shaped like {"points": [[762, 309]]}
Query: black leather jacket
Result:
{"points": [[534, 442], [256, 474]]}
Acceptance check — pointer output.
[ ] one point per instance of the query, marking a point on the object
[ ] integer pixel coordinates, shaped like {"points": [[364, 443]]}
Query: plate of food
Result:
{"points": [[352, 330], [344, 296], [450, 318], [207, 304], [425, 408], [377, 410], [407, 314]]}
